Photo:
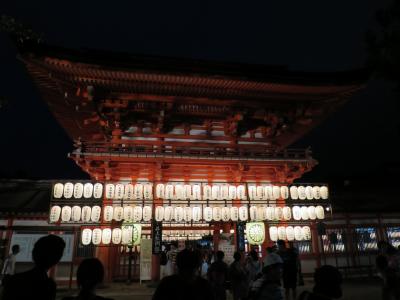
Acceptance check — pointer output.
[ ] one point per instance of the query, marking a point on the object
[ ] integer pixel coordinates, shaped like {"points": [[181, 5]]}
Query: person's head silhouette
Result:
{"points": [[237, 256], [220, 255], [48, 251], [15, 249], [187, 262], [90, 273], [328, 281]]}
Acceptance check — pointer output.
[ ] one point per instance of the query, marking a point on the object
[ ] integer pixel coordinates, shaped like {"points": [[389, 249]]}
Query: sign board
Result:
{"points": [[240, 236], [145, 259], [27, 241], [156, 237], [228, 250]]}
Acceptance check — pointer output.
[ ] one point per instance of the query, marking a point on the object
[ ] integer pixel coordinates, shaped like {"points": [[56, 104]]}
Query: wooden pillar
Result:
{"points": [[103, 254]]}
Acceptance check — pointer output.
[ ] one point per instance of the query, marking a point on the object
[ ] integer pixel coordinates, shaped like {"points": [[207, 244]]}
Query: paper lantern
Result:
{"points": [[55, 213], [196, 192], [217, 213], [306, 231], [95, 214], [215, 192], [234, 213], [96, 236], [273, 233], [58, 190], [97, 190], [128, 213], [243, 213], [208, 214], [282, 233], [106, 236], [304, 213], [148, 191], [88, 190], [129, 192], [66, 213], [320, 212], [232, 192], [294, 193], [241, 192], [147, 213], [287, 213], [226, 214], [119, 191], [278, 213], [270, 192], [311, 212], [316, 192], [260, 192], [76, 213], [86, 214], [196, 214], [68, 190], [187, 191], [270, 213], [260, 213], [160, 191], [253, 213], [290, 233], [207, 192], [309, 193], [284, 192], [179, 192], [323, 190], [302, 192], [168, 213], [298, 233], [110, 191], [187, 214], [116, 236], [224, 192], [138, 191], [137, 214], [118, 213], [108, 213], [267, 192], [159, 213], [178, 214], [86, 237], [127, 235], [276, 191], [255, 233], [296, 211], [264, 213], [252, 192], [169, 191]]}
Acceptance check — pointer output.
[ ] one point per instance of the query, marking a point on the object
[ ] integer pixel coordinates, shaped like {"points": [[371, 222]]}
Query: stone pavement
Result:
{"points": [[352, 290]]}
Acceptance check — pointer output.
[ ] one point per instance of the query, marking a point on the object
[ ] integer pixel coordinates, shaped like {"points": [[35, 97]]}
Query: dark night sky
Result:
{"points": [[304, 35]]}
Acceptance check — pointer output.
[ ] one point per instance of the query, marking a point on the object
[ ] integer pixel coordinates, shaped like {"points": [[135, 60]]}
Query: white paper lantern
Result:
{"points": [[311, 212], [270, 213], [302, 192], [68, 190], [296, 210], [168, 213], [97, 190], [129, 192], [273, 233], [224, 192], [127, 235], [323, 190], [264, 210], [217, 216], [294, 193], [169, 191], [278, 213], [232, 192], [282, 233], [86, 237], [208, 214], [287, 213], [147, 211], [118, 213], [196, 213], [137, 213], [260, 213], [178, 214], [108, 213], [160, 191], [226, 214], [55, 213], [86, 214], [253, 213], [76, 213], [241, 192], [159, 213], [260, 192], [110, 191], [234, 213], [306, 231], [88, 190], [187, 214], [138, 191], [96, 236], [179, 192], [304, 213], [95, 214], [270, 191], [243, 213], [116, 236], [58, 190], [309, 193], [284, 192], [106, 236], [119, 191], [187, 191], [267, 192], [276, 191], [196, 192], [290, 233], [148, 191], [316, 192], [128, 213], [320, 212], [215, 192], [252, 192], [66, 213], [298, 233], [207, 192]]}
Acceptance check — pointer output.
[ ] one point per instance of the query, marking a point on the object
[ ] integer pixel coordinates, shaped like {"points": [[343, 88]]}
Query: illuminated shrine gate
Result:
{"points": [[139, 118]]}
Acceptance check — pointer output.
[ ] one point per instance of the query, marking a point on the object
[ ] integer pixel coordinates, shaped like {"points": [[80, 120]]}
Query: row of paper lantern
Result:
{"points": [[107, 236], [290, 233], [77, 190], [186, 214]]}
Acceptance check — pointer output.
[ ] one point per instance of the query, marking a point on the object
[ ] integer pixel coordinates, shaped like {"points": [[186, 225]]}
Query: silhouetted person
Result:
{"points": [[238, 278], [390, 278], [290, 259], [391, 253], [9, 264], [327, 285], [187, 284], [89, 275], [253, 266], [218, 275], [35, 284]]}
